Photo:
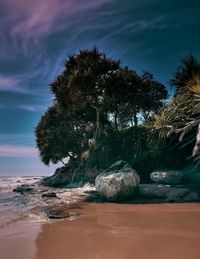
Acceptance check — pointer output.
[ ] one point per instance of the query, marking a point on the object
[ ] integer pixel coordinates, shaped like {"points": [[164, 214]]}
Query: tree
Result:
{"points": [[57, 136], [182, 115], [188, 69], [95, 100], [77, 87]]}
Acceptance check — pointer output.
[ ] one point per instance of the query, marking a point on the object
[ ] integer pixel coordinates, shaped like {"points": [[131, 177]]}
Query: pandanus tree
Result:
{"points": [[78, 88], [182, 115], [57, 136], [93, 97]]}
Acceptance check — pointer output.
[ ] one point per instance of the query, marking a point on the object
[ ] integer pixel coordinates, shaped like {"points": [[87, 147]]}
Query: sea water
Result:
{"points": [[13, 204]]}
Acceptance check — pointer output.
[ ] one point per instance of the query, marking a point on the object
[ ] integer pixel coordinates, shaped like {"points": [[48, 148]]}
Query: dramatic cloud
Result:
{"points": [[37, 36], [26, 22]]}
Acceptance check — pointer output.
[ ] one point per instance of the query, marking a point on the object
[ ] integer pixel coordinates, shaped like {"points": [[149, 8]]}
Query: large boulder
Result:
{"points": [[167, 176], [61, 177], [117, 182], [166, 193]]}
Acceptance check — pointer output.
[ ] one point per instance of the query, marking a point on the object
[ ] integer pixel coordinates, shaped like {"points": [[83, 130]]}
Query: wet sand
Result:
{"points": [[18, 240], [110, 231]]}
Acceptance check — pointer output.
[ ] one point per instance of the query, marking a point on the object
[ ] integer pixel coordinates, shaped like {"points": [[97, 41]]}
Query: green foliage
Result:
{"points": [[57, 136], [98, 111], [188, 69], [182, 115]]}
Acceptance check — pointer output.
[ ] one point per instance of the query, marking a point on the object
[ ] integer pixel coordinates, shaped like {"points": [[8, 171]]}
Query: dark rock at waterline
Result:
{"points": [[117, 182], [23, 188], [62, 211], [49, 195], [56, 212], [170, 193], [61, 177], [167, 176]]}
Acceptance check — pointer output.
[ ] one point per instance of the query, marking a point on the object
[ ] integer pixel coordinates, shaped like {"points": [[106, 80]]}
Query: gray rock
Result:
{"points": [[117, 182], [167, 176], [166, 193]]}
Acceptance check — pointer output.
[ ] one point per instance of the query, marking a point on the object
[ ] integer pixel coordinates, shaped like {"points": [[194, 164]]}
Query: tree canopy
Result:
{"points": [[94, 98]]}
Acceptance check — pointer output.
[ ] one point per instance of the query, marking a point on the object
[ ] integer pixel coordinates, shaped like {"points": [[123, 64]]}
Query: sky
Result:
{"points": [[37, 36]]}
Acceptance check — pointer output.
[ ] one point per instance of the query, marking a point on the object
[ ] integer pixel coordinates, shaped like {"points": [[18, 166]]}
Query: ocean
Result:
{"points": [[13, 205]]}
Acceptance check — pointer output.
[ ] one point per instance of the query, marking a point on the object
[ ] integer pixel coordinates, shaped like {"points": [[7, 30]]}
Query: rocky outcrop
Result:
{"points": [[170, 193], [61, 177], [117, 182], [65, 176], [167, 176]]}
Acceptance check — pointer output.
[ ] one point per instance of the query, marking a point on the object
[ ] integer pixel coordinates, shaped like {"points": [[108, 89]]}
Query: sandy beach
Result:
{"points": [[108, 231]]}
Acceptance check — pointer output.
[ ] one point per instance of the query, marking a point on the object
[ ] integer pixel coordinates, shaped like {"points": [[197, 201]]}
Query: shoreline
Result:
{"points": [[108, 231]]}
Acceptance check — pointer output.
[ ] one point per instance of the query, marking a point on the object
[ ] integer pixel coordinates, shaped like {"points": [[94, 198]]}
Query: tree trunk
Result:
{"points": [[63, 162], [116, 124], [97, 131], [135, 118], [98, 122], [197, 144]]}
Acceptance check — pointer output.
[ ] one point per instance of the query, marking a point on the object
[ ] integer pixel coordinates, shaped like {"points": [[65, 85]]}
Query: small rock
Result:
{"points": [[167, 176], [62, 211], [49, 195]]}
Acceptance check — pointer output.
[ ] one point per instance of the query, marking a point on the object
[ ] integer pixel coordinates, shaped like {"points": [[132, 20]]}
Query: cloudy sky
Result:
{"points": [[37, 36]]}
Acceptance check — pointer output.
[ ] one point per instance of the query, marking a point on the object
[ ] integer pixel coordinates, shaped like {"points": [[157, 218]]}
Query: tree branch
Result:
{"points": [[197, 144], [183, 130]]}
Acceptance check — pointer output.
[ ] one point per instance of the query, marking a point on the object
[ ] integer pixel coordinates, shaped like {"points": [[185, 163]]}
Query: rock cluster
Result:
{"points": [[172, 186], [120, 181]]}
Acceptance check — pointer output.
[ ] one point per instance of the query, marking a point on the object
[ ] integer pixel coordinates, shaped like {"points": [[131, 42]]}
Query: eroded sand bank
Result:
{"points": [[108, 231]]}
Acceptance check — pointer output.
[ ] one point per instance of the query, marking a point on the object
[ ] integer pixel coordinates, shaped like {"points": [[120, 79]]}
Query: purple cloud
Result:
{"points": [[8, 84], [32, 20], [26, 26], [17, 151]]}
